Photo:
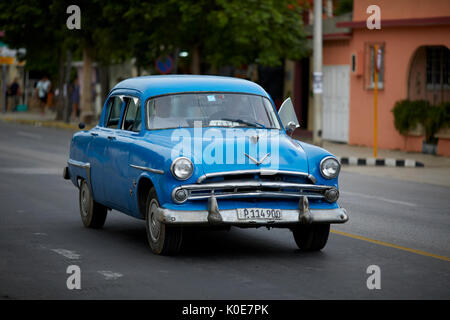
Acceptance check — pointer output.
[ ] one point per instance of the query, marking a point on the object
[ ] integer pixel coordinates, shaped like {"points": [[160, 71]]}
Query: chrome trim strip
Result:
{"points": [[253, 184], [263, 194], [147, 169], [84, 165], [263, 172], [257, 162], [79, 163]]}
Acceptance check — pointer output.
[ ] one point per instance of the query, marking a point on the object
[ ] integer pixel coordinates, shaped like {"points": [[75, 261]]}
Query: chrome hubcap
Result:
{"points": [[84, 200], [153, 224]]}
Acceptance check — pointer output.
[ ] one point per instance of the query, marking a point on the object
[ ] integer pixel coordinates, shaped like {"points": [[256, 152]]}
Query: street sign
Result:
{"points": [[317, 82], [164, 65], [6, 60]]}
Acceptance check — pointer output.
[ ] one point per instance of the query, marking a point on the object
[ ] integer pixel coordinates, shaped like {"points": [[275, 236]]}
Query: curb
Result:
{"points": [[388, 162]]}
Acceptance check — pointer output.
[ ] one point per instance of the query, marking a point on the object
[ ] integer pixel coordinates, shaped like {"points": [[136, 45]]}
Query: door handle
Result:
{"points": [[111, 138]]}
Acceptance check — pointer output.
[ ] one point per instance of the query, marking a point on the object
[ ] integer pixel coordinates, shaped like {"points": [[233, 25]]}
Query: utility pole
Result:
{"points": [[376, 70], [317, 73]]}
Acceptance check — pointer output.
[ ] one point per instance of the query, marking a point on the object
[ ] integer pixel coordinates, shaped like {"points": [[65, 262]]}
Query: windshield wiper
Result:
{"points": [[249, 123]]}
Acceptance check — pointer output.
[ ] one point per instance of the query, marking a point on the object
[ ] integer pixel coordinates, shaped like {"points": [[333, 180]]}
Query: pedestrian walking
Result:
{"points": [[42, 90], [14, 94]]}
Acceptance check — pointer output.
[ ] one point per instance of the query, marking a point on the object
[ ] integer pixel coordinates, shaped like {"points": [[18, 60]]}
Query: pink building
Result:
{"points": [[414, 39]]}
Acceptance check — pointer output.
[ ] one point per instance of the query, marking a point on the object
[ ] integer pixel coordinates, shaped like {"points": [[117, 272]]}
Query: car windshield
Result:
{"points": [[212, 109]]}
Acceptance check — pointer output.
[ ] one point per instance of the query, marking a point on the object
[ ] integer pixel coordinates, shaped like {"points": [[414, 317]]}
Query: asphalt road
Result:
{"points": [[402, 227]]}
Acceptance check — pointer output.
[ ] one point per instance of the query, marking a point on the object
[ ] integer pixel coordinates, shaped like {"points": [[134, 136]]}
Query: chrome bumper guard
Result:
{"points": [[214, 216]]}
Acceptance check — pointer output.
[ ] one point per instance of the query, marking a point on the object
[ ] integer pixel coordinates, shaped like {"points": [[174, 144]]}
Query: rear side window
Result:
{"points": [[132, 121], [113, 113]]}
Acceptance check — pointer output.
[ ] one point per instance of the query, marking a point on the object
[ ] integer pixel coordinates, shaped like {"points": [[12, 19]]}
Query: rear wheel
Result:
{"points": [[163, 239], [93, 214], [311, 237]]}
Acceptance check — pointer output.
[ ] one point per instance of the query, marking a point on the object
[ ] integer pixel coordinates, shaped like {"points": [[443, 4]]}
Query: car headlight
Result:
{"points": [[330, 167], [182, 168]]}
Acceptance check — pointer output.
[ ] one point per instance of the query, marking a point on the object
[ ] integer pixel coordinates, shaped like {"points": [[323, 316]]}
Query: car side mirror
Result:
{"points": [[290, 128], [81, 125], [288, 116]]}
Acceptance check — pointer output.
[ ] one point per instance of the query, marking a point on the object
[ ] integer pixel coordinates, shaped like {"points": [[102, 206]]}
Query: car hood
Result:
{"points": [[226, 149]]}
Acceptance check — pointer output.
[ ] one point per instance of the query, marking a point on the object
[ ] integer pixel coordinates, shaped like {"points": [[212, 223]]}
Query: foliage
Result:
{"points": [[216, 32], [255, 31], [226, 32], [408, 114], [344, 6], [30, 24]]}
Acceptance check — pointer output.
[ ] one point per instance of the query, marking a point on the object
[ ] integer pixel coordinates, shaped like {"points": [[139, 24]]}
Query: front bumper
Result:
{"points": [[214, 216]]}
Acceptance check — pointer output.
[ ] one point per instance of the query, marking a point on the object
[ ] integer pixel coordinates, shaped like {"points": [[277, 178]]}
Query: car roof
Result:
{"points": [[150, 86]]}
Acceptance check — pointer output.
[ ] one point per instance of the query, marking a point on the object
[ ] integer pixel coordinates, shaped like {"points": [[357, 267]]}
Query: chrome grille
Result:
{"points": [[240, 184], [259, 173]]}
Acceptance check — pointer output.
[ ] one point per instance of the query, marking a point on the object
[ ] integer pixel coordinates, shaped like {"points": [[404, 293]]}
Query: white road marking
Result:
{"points": [[72, 255], [409, 204], [31, 171], [109, 275], [29, 135], [40, 234]]}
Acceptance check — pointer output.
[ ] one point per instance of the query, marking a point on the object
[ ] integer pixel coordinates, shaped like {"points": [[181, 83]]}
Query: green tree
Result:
{"points": [[40, 28], [264, 32], [216, 32], [223, 32]]}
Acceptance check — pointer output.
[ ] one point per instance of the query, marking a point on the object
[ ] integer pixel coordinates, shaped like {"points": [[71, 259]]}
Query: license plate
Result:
{"points": [[258, 214]]}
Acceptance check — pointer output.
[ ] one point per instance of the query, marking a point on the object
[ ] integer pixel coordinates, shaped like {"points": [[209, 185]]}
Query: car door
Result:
{"points": [[120, 190], [101, 136]]}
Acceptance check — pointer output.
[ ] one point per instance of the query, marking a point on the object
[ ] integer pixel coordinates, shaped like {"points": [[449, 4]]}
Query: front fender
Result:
{"points": [[315, 155]]}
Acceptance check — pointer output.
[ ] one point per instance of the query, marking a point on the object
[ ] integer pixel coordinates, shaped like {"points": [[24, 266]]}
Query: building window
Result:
{"points": [[438, 63], [372, 58]]}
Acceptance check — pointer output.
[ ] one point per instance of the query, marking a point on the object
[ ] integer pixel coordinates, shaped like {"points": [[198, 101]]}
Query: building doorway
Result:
{"points": [[335, 111]]}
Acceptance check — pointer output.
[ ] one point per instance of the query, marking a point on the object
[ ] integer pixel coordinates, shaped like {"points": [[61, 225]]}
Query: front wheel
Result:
{"points": [[93, 214], [163, 239], [311, 237]]}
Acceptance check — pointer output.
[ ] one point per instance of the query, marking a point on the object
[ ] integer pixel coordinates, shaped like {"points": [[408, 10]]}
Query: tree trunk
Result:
{"points": [[67, 99], [104, 81], [60, 100], [195, 60], [87, 110]]}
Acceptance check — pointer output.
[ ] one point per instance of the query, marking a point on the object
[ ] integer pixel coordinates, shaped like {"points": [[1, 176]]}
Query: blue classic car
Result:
{"points": [[185, 151]]}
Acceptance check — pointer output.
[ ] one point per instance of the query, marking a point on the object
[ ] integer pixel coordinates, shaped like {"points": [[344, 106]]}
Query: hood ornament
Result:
{"points": [[254, 139], [256, 161]]}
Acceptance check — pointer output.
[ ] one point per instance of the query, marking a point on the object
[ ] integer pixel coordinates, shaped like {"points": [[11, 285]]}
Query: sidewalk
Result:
{"points": [[436, 169], [38, 119]]}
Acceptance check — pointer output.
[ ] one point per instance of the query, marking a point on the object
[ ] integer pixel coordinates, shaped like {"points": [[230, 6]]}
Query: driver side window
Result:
{"points": [[113, 112], [132, 120]]}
